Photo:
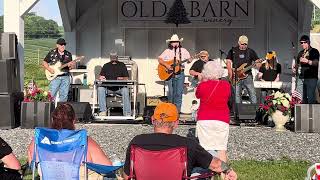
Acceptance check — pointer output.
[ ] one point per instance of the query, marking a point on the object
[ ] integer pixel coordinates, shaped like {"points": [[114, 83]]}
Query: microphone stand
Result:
{"points": [[174, 74], [235, 78]]}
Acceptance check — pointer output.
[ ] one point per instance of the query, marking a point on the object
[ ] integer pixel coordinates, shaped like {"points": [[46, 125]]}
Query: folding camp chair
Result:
{"points": [[59, 153], [311, 175], [170, 164]]}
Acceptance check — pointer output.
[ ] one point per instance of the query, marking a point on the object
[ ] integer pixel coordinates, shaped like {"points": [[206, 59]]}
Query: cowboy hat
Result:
{"points": [[174, 38]]}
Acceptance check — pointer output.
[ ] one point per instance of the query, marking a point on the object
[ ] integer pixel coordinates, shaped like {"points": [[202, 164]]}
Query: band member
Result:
{"points": [[236, 57], [306, 67], [176, 82], [61, 83], [114, 70], [197, 66], [271, 69]]}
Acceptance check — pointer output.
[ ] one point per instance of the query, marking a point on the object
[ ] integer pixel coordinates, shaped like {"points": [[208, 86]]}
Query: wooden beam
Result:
{"points": [[26, 5]]}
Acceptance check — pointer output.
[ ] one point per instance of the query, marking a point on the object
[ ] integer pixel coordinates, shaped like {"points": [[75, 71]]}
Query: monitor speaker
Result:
{"points": [[8, 45], [247, 111], [82, 110], [9, 76], [10, 107]]}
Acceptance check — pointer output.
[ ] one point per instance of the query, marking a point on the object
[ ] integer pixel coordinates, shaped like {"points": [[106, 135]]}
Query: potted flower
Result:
{"points": [[279, 106], [36, 107]]}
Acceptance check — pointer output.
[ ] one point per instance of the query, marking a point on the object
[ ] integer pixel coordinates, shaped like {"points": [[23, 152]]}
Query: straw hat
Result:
{"points": [[174, 37]]}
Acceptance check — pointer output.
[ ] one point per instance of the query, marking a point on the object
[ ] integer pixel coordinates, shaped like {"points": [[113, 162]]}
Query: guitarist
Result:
{"points": [[236, 57], [307, 71], [62, 82], [176, 81], [197, 66]]}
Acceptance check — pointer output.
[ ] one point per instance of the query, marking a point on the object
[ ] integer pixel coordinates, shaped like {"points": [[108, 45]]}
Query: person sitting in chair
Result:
{"points": [[165, 120], [64, 117], [114, 70]]}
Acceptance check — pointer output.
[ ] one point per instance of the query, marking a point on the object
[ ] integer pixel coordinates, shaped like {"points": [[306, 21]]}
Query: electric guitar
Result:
{"points": [[240, 72], [57, 68], [164, 73]]}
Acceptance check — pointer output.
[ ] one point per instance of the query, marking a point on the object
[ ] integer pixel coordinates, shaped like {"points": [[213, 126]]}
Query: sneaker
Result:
{"points": [[103, 113]]}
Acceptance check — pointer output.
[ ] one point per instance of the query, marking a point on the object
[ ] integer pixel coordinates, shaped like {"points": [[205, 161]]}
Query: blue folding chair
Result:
{"points": [[59, 153]]}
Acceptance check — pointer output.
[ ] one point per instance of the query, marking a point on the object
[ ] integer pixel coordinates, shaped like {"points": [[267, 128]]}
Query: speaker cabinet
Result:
{"points": [[82, 109], [8, 45], [307, 118], [9, 76], [247, 111], [10, 107]]}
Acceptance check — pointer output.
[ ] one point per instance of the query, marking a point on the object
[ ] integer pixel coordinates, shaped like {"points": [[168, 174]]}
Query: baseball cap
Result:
{"points": [[243, 39], [61, 41], [167, 112], [305, 38]]}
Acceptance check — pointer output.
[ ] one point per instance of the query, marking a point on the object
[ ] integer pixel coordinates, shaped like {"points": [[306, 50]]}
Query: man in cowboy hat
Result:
{"points": [[176, 82]]}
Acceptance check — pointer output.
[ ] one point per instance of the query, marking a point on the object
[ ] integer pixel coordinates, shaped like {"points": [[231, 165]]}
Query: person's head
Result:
{"points": [[63, 117], [174, 41], [165, 117], [305, 41], [61, 44], [212, 70], [113, 56], [204, 55], [271, 58], [243, 42]]}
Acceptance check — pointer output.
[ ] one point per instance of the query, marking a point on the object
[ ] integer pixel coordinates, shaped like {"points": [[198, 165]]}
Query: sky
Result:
{"points": [[48, 9]]}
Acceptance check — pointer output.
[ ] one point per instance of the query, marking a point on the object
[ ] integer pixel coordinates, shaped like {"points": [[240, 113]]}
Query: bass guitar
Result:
{"points": [[57, 68], [240, 72], [164, 73]]}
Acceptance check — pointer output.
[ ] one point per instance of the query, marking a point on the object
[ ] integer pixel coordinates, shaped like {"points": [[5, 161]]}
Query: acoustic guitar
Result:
{"points": [[57, 68], [241, 71], [164, 73]]}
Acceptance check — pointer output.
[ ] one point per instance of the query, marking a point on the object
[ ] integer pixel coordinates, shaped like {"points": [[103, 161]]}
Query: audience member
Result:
{"points": [[165, 120], [213, 113], [9, 164], [63, 117]]}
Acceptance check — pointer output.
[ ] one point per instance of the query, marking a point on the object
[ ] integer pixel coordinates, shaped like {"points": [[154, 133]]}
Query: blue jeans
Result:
{"points": [[175, 89], [124, 92], [309, 89], [61, 84], [248, 84]]}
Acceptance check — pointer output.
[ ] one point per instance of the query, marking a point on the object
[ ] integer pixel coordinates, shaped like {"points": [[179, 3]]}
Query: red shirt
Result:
{"points": [[214, 106]]}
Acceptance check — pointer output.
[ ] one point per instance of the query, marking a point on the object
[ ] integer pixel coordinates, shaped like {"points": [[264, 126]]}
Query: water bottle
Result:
{"points": [[84, 82]]}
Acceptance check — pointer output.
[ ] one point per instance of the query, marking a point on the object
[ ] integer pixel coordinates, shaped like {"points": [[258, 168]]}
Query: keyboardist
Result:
{"points": [[269, 71], [114, 70]]}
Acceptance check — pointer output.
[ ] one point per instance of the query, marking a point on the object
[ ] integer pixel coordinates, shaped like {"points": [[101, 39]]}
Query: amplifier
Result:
{"points": [[8, 46], [247, 111], [307, 118], [10, 106], [9, 76]]}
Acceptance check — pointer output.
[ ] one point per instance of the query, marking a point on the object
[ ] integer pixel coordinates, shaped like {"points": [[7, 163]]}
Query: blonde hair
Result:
{"points": [[212, 70]]}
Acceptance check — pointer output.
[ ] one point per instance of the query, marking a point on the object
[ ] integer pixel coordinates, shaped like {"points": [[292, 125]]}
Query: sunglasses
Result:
{"points": [[203, 56], [244, 44], [303, 42], [62, 44]]}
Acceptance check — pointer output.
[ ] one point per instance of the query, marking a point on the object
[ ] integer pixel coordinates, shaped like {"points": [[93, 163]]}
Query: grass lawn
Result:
{"points": [[34, 52], [257, 170]]}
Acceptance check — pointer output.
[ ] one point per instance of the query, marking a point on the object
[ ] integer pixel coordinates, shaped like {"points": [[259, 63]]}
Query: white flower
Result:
{"points": [[285, 103], [45, 93], [287, 95], [278, 95]]}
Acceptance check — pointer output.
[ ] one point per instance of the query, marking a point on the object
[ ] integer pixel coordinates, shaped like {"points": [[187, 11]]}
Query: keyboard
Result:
{"points": [[115, 82], [268, 84]]}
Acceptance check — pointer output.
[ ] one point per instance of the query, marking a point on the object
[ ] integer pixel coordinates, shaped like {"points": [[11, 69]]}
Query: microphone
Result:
{"points": [[292, 44], [222, 52]]}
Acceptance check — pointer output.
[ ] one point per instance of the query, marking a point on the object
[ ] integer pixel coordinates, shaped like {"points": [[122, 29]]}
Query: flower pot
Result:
{"points": [[279, 120], [36, 114]]}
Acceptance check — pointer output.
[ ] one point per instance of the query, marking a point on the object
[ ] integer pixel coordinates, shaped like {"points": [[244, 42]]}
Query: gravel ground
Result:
{"points": [[259, 143]]}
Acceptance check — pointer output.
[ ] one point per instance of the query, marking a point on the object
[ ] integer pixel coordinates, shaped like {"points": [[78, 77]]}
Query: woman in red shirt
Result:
{"points": [[213, 113]]}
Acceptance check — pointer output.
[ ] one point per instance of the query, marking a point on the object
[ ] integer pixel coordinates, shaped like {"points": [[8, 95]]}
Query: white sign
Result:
{"points": [[201, 13]]}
